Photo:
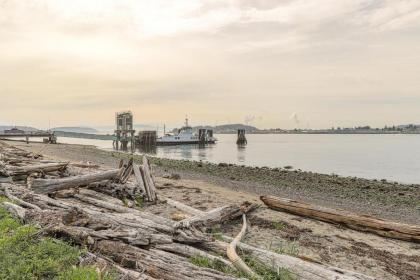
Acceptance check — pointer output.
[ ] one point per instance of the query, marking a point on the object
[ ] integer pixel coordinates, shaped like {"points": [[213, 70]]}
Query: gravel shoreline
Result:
{"points": [[207, 186], [390, 200]]}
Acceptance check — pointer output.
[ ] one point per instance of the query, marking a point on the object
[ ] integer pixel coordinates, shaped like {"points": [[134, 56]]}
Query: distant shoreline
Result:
{"points": [[112, 137]]}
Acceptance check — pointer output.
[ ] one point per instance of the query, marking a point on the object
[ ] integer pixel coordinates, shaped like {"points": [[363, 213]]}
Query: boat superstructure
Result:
{"points": [[185, 135]]}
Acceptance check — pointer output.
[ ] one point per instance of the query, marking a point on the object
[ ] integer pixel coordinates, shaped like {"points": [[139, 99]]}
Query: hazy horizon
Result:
{"points": [[286, 64]]}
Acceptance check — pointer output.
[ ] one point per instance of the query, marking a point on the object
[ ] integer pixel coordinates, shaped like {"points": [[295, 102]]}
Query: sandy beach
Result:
{"points": [[205, 186]]}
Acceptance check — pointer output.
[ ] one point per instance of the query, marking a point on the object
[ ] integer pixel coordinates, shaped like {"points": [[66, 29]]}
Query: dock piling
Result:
{"points": [[241, 140]]}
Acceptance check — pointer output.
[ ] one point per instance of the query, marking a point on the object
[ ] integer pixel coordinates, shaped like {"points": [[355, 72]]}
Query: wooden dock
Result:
{"points": [[48, 136]]}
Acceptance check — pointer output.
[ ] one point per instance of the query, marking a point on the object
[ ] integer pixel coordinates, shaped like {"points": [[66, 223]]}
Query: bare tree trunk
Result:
{"points": [[351, 220]]}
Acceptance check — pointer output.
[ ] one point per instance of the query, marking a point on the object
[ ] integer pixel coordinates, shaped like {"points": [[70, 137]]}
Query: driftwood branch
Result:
{"points": [[233, 256]]}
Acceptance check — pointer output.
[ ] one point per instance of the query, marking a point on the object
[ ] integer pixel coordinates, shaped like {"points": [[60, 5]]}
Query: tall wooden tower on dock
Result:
{"points": [[124, 132]]}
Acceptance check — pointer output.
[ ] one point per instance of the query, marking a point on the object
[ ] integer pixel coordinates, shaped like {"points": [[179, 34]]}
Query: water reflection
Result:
{"points": [[186, 152], [391, 157], [147, 149], [202, 152], [241, 153]]}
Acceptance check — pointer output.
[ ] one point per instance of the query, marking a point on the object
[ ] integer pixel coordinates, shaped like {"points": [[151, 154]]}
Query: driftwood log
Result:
{"points": [[53, 185], [351, 220], [42, 168]]}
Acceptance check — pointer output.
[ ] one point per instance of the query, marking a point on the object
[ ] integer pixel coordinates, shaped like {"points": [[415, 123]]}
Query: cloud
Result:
{"points": [[207, 57]]}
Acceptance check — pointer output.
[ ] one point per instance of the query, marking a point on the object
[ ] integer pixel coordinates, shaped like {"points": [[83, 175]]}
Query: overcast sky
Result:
{"points": [[312, 63]]}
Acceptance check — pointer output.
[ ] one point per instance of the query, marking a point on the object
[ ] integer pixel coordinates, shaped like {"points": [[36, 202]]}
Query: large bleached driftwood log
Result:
{"points": [[354, 221], [52, 185]]}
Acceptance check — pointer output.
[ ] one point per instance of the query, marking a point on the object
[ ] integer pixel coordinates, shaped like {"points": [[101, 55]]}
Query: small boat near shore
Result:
{"points": [[185, 136]]}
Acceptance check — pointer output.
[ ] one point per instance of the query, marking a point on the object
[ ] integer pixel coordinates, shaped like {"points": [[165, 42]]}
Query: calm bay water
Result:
{"points": [[391, 157]]}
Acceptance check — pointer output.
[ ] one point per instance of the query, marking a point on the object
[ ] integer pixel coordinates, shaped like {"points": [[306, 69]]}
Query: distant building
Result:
{"points": [[14, 131]]}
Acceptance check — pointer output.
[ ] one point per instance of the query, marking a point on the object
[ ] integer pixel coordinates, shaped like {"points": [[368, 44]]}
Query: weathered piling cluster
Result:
{"points": [[241, 140], [100, 209], [146, 138]]}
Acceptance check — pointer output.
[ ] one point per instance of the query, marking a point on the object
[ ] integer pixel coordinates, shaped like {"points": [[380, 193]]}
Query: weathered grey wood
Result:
{"points": [[157, 263], [301, 268], [128, 190], [216, 216], [149, 196], [139, 178], [84, 165], [233, 256], [191, 230], [188, 251], [127, 172], [354, 221], [106, 264], [149, 183], [15, 210], [116, 244], [28, 169], [18, 200], [52, 185]]}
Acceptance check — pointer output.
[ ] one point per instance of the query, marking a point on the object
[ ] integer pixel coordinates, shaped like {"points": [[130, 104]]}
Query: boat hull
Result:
{"points": [[175, 143]]}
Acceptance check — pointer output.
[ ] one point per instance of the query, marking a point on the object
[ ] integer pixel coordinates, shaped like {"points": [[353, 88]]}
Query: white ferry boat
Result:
{"points": [[185, 135]]}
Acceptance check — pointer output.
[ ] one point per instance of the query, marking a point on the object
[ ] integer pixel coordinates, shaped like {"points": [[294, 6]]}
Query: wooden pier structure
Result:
{"points": [[49, 136]]}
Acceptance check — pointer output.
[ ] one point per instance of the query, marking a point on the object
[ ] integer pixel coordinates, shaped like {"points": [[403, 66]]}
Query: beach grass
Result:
{"points": [[26, 254]]}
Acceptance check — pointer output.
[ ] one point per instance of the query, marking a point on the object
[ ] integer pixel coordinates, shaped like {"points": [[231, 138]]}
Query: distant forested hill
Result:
{"points": [[75, 129], [24, 128]]}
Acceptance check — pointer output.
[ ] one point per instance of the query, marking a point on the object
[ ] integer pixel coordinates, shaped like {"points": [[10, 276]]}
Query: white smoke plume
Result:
{"points": [[249, 119], [294, 117]]}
